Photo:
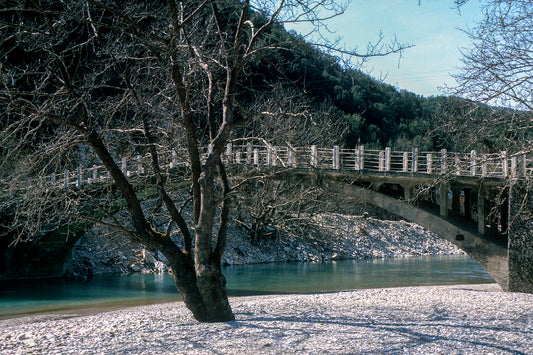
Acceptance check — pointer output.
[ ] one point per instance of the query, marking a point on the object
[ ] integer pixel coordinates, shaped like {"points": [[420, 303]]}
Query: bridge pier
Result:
{"points": [[504, 213], [456, 199], [481, 214], [407, 192], [443, 194], [467, 204], [520, 247]]}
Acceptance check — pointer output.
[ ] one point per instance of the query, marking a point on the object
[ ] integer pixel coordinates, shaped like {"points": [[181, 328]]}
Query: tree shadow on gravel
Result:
{"points": [[398, 336]]}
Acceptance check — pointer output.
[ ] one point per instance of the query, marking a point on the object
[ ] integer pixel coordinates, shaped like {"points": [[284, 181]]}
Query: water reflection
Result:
{"points": [[354, 274], [33, 296]]}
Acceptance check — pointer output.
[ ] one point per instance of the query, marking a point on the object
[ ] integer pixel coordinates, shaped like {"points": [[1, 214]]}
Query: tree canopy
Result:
{"points": [[91, 81]]}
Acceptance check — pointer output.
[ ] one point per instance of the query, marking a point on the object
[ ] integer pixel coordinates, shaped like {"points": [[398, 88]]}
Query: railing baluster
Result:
{"points": [[484, 165], [66, 179], [505, 167], [514, 166], [314, 156], [269, 156], [140, 168], [79, 182], [405, 162], [443, 163], [473, 163], [414, 167], [429, 163], [360, 158], [248, 153], [95, 173], [229, 152], [336, 157], [291, 157], [387, 158], [174, 161], [523, 166]]}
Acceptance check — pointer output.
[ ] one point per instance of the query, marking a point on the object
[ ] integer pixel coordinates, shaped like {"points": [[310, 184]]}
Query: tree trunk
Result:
{"points": [[185, 281], [203, 288], [212, 286], [205, 294]]}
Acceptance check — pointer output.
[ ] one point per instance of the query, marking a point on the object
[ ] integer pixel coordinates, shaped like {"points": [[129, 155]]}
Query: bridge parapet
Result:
{"points": [[473, 175], [433, 164]]}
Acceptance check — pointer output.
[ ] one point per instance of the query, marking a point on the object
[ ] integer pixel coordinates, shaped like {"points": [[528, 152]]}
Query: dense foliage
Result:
{"points": [[376, 114]]}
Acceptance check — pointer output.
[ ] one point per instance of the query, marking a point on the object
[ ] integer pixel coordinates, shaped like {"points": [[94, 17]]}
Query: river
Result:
{"points": [[26, 297]]}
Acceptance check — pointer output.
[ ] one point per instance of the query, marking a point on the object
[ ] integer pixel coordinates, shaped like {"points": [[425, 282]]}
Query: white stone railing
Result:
{"points": [[473, 164], [500, 165]]}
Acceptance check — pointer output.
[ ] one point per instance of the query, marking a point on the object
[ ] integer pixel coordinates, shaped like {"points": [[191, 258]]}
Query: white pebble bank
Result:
{"points": [[471, 319]]}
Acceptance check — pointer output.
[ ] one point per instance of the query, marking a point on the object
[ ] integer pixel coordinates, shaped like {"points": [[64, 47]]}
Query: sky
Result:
{"points": [[432, 26]]}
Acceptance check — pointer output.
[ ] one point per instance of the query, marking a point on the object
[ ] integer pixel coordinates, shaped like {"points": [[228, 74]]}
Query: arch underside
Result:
{"points": [[492, 256]]}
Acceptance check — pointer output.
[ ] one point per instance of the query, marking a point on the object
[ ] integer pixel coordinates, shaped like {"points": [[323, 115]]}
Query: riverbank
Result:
{"points": [[365, 232], [416, 320]]}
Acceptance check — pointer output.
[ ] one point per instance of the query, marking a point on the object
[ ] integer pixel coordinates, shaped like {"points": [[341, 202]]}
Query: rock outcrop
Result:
{"points": [[329, 236]]}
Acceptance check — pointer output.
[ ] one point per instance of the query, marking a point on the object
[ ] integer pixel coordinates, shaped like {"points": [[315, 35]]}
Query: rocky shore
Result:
{"points": [[332, 236], [463, 319]]}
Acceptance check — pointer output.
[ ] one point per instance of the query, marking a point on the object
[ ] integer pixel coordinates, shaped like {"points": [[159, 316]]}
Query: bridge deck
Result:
{"points": [[414, 165]]}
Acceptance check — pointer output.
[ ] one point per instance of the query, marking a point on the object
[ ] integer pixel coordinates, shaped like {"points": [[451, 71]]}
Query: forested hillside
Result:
{"points": [[375, 114], [367, 112]]}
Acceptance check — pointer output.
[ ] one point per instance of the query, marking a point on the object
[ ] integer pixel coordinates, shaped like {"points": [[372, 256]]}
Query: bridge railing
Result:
{"points": [[499, 165]]}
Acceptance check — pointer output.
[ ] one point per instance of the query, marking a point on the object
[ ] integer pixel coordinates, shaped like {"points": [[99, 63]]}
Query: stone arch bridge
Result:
{"points": [[466, 198]]}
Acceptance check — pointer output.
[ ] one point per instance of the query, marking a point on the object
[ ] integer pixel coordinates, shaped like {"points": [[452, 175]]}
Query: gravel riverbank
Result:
{"points": [[330, 236], [472, 319]]}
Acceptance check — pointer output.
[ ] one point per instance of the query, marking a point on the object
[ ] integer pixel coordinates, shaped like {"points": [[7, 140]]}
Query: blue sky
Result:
{"points": [[433, 27]]}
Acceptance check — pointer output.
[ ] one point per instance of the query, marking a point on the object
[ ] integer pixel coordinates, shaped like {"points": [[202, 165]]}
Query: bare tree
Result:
{"points": [[135, 77], [269, 207], [498, 67], [289, 118], [498, 72], [491, 107]]}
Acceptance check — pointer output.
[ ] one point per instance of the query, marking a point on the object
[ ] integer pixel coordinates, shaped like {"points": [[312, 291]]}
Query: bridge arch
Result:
{"points": [[492, 255]]}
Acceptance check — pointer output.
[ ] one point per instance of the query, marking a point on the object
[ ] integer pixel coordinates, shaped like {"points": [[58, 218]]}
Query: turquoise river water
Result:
{"points": [[17, 298]]}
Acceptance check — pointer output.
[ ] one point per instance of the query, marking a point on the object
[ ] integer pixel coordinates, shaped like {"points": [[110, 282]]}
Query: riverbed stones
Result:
{"points": [[462, 319], [331, 236]]}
